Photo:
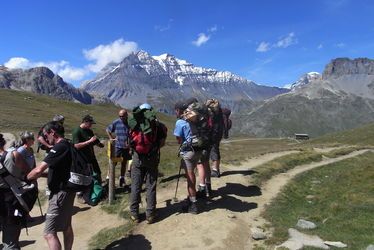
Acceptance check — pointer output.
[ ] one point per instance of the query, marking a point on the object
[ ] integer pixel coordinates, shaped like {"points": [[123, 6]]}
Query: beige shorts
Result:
{"points": [[59, 213], [190, 159]]}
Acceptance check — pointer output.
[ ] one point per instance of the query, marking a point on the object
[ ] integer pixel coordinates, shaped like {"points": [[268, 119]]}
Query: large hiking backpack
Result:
{"points": [[227, 122], [81, 171], [197, 115], [25, 194], [146, 132]]}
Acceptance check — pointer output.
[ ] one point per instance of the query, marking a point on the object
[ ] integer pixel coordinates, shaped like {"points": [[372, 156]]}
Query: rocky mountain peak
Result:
{"points": [[345, 66], [306, 79]]}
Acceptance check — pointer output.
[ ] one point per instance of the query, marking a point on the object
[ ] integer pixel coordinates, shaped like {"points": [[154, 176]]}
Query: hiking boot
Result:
{"points": [[215, 173], [190, 207], [121, 181], [134, 218], [127, 189], [200, 193], [151, 218]]}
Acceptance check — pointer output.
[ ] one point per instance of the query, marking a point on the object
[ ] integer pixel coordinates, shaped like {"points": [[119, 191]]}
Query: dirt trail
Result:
{"points": [[225, 222]]}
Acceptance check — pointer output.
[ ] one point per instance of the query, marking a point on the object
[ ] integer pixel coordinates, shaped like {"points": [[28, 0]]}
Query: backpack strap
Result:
{"points": [[2, 157]]}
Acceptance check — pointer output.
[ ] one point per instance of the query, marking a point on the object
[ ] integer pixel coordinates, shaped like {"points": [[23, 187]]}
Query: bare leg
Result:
{"points": [[68, 238], [202, 173], [215, 165], [191, 182], [53, 241]]}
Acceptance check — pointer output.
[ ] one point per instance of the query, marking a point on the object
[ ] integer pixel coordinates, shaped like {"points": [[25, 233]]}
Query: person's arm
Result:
{"points": [[81, 145], [179, 140], [44, 142], [37, 172]]}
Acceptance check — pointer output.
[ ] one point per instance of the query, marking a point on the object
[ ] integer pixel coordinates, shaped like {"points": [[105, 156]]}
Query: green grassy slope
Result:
{"points": [[362, 136]]}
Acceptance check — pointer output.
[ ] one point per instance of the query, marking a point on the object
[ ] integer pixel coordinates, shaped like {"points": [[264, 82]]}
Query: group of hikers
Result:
{"points": [[199, 129]]}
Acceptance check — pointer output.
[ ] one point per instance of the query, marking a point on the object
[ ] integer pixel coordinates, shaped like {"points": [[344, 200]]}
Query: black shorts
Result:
{"points": [[215, 155], [123, 152]]}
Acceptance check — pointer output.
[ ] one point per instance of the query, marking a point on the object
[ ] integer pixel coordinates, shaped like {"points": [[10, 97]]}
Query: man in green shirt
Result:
{"points": [[84, 140]]}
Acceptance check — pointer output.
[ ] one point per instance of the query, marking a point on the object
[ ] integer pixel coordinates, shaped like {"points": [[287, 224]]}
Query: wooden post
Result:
{"points": [[112, 177], [111, 181]]}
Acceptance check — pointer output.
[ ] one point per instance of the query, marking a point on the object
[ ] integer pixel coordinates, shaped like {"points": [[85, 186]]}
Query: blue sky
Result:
{"points": [[270, 42]]}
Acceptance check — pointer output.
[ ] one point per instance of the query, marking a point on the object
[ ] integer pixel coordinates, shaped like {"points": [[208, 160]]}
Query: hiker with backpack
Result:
{"points": [[118, 133], [202, 130], [61, 200], [147, 136], [217, 134], [190, 154], [84, 140], [13, 170]]}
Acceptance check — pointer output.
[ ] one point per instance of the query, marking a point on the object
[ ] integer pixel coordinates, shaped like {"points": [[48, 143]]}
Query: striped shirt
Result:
{"points": [[122, 133]]}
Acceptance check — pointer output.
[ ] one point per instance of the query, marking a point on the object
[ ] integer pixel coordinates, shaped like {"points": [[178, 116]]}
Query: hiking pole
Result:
{"points": [[175, 199], [40, 206]]}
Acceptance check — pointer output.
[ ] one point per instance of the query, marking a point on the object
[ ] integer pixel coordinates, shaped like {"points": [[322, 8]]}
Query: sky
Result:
{"points": [[271, 42]]}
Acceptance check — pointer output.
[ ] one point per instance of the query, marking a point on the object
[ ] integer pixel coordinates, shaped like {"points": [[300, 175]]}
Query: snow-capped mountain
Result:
{"points": [[305, 79], [163, 80]]}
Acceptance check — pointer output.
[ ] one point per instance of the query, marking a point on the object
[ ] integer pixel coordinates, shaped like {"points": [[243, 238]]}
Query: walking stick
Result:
{"points": [[40, 206], [175, 199]]}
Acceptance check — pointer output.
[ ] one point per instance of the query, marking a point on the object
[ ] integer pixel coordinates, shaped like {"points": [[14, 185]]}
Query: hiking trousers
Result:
{"points": [[144, 169]]}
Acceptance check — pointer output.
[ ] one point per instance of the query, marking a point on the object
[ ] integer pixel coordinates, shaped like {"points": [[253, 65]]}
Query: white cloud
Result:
{"points": [[17, 62], [340, 45], [100, 56], [163, 28], [61, 68], [104, 54], [287, 41], [284, 42], [320, 46], [213, 29], [201, 39], [263, 47]]}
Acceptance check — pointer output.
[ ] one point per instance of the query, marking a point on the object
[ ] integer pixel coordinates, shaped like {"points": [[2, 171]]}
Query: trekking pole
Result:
{"points": [[40, 206], [175, 199]]}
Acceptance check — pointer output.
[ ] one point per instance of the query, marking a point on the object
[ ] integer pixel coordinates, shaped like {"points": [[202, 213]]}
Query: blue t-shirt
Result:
{"points": [[183, 130], [28, 156], [122, 133]]}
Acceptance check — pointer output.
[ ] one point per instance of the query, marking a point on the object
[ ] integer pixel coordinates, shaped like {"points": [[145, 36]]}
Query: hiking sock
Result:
{"points": [[208, 189], [192, 198], [121, 181]]}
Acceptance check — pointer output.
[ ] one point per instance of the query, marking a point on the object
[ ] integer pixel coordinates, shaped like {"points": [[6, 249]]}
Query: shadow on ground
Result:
{"points": [[137, 241], [242, 172], [80, 209], [223, 198]]}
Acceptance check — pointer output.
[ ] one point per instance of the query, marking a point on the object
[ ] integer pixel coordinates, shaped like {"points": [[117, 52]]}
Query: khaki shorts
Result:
{"points": [[59, 213], [190, 159]]}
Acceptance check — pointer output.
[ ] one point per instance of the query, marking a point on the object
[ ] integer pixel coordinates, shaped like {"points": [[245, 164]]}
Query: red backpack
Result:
{"points": [[146, 143]]}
